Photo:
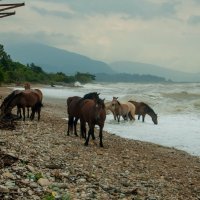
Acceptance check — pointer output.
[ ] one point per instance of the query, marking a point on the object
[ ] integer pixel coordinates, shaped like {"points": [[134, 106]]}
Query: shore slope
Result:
{"points": [[123, 169]]}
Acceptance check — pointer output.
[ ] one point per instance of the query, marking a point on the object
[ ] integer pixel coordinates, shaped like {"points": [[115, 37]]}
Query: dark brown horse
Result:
{"points": [[7, 99], [73, 110], [142, 109], [13, 93], [94, 113], [26, 98]]}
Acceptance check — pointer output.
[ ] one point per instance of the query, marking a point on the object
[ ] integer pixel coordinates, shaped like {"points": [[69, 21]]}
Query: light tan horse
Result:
{"points": [[126, 110]]}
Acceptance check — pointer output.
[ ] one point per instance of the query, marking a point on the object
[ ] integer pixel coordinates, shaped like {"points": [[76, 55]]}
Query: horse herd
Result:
{"points": [[89, 109]]}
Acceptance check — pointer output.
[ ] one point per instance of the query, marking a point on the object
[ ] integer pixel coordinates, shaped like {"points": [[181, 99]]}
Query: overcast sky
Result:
{"points": [[161, 32]]}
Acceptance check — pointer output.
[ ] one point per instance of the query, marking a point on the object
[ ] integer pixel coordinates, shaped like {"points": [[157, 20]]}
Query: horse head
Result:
{"points": [[155, 118], [100, 103], [115, 103]]}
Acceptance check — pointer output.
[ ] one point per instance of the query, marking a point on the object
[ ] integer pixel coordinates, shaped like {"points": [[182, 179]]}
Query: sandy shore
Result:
{"points": [[55, 165]]}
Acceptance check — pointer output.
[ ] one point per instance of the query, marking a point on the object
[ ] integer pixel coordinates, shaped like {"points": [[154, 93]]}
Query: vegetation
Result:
{"points": [[15, 72]]}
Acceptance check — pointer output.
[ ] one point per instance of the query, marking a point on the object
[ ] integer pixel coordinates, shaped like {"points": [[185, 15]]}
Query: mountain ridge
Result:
{"points": [[145, 68], [53, 59]]}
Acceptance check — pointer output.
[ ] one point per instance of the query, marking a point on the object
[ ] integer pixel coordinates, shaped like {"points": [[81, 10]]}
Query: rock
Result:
{"points": [[30, 168], [4, 189], [44, 182], [8, 175]]}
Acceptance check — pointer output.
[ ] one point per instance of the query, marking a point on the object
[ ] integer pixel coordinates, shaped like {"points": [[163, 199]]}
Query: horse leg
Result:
{"points": [[23, 109], [39, 110], [100, 136], [27, 112], [90, 132], [118, 118], [32, 116], [143, 116], [19, 114], [114, 115], [139, 116], [75, 123], [83, 129], [70, 124]]}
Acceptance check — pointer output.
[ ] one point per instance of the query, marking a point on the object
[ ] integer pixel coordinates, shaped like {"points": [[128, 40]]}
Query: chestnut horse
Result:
{"points": [[143, 109], [93, 113], [26, 98], [126, 110], [73, 110]]}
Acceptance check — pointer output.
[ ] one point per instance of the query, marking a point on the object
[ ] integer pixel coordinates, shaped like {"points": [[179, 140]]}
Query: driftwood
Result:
{"points": [[7, 159], [7, 124]]}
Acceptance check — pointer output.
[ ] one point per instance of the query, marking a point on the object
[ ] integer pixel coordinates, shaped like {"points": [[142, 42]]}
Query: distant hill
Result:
{"points": [[128, 78], [52, 59], [143, 68]]}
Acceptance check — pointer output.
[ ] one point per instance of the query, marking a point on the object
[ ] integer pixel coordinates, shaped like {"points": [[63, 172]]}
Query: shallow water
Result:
{"points": [[177, 105]]}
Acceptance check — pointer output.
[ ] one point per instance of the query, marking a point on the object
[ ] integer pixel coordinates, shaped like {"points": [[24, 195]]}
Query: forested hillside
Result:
{"points": [[15, 72]]}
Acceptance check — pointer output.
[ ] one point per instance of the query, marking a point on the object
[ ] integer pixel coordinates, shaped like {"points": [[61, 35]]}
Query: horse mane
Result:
{"points": [[9, 98], [148, 108], [91, 95]]}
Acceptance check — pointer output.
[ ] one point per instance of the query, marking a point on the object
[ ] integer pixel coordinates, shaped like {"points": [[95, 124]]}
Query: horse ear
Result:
{"points": [[98, 94]]}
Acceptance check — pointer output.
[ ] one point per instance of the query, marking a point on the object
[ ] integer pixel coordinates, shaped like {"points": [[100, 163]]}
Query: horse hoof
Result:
{"points": [[101, 145], [86, 144]]}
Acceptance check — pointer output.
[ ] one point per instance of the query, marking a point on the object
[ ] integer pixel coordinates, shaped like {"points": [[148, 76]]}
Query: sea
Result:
{"points": [[176, 104]]}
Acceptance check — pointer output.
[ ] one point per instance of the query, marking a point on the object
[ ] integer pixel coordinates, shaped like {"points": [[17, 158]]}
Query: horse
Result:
{"points": [[142, 109], [73, 110], [93, 113], [109, 109], [126, 110], [7, 99], [27, 86], [40, 95], [26, 98]]}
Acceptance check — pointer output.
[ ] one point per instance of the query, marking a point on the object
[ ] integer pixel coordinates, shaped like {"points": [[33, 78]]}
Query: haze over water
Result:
{"points": [[177, 106]]}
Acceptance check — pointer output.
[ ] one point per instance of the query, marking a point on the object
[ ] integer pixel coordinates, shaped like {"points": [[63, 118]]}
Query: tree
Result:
{"points": [[84, 77], [5, 59]]}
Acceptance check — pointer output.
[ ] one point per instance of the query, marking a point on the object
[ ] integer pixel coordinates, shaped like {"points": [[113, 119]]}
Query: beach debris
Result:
{"points": [[7, 159]]}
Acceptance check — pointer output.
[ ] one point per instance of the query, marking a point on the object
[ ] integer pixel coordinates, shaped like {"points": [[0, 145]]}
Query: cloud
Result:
{"points": [[162, 32], [58, 13], [194, 20], [132, 8]]}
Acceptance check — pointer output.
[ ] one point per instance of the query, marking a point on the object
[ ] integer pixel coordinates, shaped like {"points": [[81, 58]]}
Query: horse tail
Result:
{"points": [[132, 110], [38, 106]]}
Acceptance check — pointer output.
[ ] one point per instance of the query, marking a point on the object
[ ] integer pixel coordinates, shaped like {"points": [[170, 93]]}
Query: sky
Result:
{"points": [[161, 32]]}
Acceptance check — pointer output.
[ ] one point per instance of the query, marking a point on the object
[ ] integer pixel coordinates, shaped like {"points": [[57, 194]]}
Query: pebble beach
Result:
{"points": [[53, 165]]}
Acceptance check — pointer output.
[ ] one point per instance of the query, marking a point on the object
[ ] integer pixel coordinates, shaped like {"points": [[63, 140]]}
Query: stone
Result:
{"points": [[4, 189], [44, 182]]}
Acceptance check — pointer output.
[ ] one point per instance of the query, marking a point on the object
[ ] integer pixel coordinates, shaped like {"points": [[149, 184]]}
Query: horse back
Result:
{"points": [[141, 107], [73, 106], [39, 92], [70, 99]]}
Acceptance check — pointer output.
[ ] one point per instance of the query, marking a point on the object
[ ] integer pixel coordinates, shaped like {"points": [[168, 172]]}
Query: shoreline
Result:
{"points": [[123, 169]]}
